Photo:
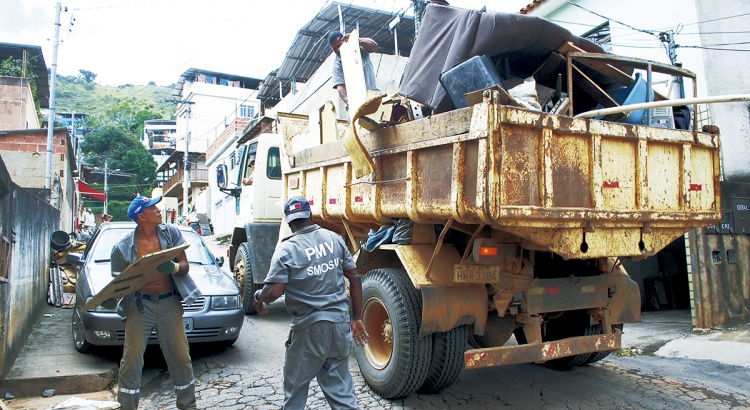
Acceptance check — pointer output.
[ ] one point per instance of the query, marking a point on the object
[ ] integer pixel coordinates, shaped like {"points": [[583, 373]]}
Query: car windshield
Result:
{"points": [[106, 240]]}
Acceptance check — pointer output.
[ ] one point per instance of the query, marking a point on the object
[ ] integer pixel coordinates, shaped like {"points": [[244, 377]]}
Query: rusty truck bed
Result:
{"points": [[580, 188]]}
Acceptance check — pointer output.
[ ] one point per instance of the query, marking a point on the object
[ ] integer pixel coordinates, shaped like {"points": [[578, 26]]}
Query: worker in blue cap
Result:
{"points": [[156, 305]]}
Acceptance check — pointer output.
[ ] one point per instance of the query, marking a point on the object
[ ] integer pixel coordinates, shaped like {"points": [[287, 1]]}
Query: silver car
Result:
{"points": [[215, 317]]}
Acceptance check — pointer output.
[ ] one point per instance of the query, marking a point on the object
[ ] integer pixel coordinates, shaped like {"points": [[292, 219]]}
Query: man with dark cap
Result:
{"points": [[156, 305], [366, 46], [310, 267]]}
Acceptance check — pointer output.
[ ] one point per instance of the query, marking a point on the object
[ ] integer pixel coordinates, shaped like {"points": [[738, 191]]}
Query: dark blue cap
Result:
{"points": [[296, 207], [139, 204]]}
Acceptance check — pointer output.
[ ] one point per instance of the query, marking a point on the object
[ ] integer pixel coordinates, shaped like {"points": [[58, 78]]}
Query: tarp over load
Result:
{"points": [[449, 36]]}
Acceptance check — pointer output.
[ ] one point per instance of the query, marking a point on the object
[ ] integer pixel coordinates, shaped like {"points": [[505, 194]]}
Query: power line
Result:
{"points": [[718, 19]]}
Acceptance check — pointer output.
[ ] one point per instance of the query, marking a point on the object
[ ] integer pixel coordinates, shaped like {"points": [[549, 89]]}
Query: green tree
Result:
{"points": [[123, 151], [13, 67], [87, 76]]}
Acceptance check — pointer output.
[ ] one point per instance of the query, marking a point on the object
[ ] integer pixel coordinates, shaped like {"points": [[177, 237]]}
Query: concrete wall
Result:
{"points": [[25, 153], [727, 73], [17, 110], [720, 268], [24, 263]]}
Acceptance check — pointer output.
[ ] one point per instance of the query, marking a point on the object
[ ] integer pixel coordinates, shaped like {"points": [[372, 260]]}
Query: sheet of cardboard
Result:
{"points": [[134, 276]]}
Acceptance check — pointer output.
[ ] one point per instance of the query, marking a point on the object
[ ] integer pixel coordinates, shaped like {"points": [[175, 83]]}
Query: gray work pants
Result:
{"points": [[166, 316], [320, 350]]}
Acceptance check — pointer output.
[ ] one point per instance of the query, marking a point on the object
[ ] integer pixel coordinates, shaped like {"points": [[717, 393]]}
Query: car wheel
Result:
{"points": [[395, 361], [243, 277], [79, 337]]}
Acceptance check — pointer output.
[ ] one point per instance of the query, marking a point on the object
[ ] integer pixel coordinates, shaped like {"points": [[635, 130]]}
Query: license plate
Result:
{"points": [[187, 322], [476, 274]]}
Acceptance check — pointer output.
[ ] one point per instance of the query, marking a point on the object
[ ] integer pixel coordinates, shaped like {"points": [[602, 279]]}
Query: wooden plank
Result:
{"points": [[546, 74], [134, 276], [601, 96]]}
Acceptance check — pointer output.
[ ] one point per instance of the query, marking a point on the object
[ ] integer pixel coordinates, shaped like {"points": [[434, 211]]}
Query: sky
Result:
{"points": [[139, 41]]}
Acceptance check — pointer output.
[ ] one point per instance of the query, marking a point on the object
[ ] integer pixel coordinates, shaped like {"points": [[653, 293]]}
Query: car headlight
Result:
{"points": [[225, 302]]}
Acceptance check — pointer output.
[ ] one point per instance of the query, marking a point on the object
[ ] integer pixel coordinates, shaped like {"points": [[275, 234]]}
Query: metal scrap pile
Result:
{"points": [[62, 275]]}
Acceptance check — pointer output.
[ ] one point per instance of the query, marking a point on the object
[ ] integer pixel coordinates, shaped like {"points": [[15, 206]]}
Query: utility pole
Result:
{"points": [[668, 38], [106, 186], [186, 180], [51, 112]]}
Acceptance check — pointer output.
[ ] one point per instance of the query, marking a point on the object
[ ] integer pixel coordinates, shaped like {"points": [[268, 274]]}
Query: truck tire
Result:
{"points": [[447, 359], [395, 361], [569, 324], [595, 357], [243, 277]]}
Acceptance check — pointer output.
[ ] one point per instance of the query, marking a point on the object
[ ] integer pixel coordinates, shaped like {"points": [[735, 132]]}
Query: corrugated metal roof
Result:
{"points": [[245, 82], [310, 46], [36, 59]]}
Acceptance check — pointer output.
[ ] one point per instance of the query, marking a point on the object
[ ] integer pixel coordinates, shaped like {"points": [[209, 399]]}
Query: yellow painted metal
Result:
{"points": [[581, 188], [416, 259], [444, 308], [445, 304]]}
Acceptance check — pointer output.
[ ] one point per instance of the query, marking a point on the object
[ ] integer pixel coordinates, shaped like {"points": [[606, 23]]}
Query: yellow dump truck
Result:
{"points": [[517, 219]]}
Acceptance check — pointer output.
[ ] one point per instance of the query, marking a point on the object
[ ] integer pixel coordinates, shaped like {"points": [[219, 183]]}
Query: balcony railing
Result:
{"points": [[197, 176]]}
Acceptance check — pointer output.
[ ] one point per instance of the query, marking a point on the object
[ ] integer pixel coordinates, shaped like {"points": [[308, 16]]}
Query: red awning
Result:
{"points": [[84, 189]]}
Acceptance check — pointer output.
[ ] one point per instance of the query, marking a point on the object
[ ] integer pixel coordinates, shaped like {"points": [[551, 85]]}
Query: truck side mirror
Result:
{"points": [[221, 175]]}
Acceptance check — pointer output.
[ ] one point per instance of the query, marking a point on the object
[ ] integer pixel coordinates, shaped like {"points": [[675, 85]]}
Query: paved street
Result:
{"points": [[248, 375]]}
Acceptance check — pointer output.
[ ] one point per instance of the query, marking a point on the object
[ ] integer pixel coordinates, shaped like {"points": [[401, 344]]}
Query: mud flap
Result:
{"points": [[261, 242]]}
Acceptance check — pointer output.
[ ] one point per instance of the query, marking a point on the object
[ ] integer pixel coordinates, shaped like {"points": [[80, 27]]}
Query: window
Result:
{"points": [[247, 111], [273, 168]]}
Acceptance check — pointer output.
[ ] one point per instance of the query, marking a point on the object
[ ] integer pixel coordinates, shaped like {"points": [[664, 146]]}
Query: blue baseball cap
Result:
{"points": [[139, 204], [296, 207]]}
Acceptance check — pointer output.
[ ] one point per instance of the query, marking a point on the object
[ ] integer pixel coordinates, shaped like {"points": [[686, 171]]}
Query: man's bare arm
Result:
{"points": [[342, 93], [368, 44]]}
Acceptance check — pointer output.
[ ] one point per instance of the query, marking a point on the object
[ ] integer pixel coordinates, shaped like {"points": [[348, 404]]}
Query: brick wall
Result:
{"points": [[25, 153]]}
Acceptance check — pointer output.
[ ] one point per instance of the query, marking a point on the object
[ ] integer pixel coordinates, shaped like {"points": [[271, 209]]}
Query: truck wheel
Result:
{"points": [[447, 359], [595, 357], [569, 324], [79, 337], [395, 361], [243, 277]]}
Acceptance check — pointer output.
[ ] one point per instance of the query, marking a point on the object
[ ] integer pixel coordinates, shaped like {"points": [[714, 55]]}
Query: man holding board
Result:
{"points": [[156, 305]]}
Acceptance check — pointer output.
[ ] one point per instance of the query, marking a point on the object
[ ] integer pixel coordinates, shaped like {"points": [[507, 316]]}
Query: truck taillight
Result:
{"points": [[485, 251]]}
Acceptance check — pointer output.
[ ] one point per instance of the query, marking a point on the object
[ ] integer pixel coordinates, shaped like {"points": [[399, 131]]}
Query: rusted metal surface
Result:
{"points": [[541, 352], [444, 308], [554, 295], [721, 279], [580, 188]]}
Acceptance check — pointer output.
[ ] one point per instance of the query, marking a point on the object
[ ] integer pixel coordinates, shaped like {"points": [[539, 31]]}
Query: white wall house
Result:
{"points": [[208, 102]]}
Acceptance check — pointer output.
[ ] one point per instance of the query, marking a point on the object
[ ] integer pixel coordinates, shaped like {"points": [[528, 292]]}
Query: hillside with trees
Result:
{"points": [[114, 118]]}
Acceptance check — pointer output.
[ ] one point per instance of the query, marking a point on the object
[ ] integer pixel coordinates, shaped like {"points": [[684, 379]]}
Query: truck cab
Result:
{"points": [[256, 201]]}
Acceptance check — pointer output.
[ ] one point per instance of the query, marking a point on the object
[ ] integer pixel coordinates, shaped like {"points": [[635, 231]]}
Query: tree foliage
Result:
{"points": [[123, 151], [13, 67], [86, 76]]}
